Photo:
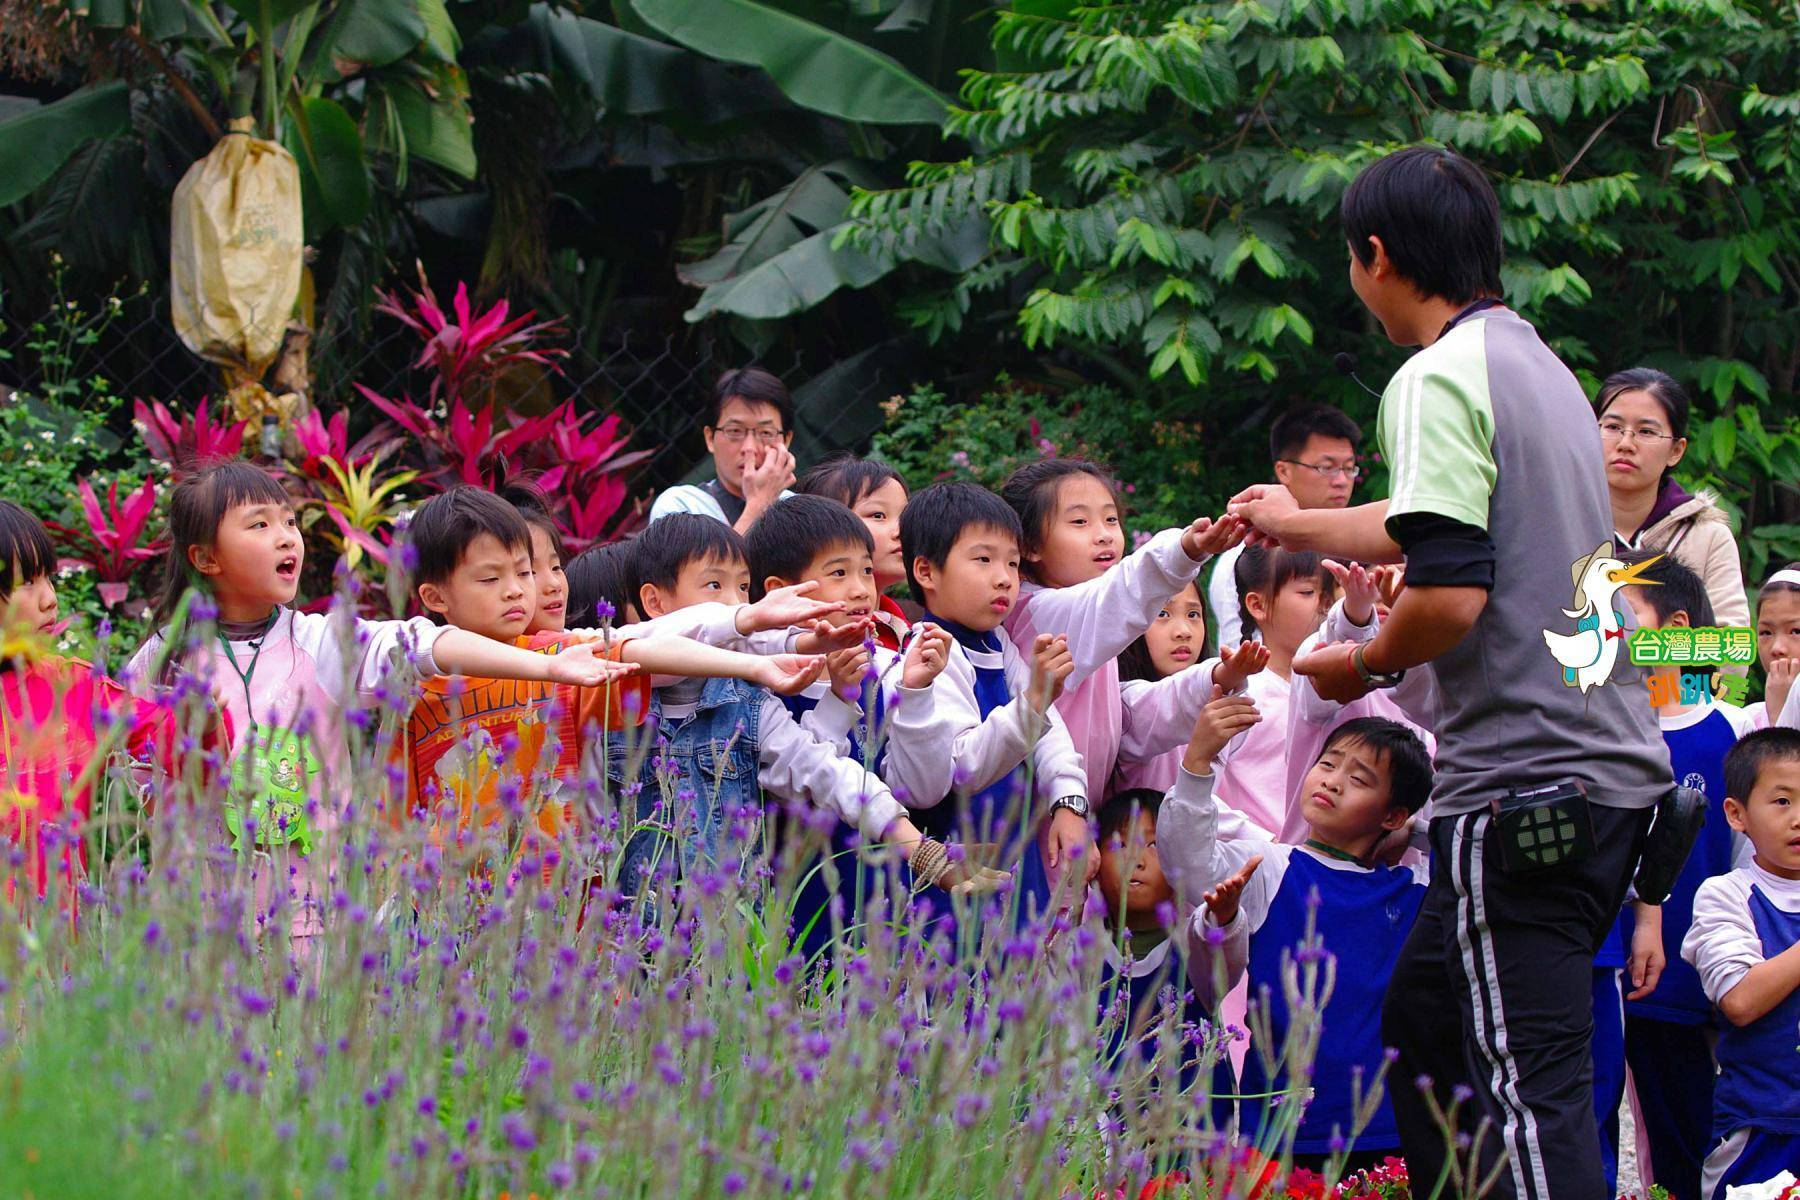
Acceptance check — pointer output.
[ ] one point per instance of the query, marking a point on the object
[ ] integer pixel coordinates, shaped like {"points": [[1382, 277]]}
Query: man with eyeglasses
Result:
{"points": [[1314, 450], [1543, 792], [748, 430]]}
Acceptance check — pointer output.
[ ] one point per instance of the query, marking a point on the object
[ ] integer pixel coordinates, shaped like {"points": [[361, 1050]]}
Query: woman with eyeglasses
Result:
{"points": [[1643, 416]]}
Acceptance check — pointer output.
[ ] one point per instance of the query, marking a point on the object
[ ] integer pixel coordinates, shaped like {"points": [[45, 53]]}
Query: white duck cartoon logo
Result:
{"points": [[1587, 656]]}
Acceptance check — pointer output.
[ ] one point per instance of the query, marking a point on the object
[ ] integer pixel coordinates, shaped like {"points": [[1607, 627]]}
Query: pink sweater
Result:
{"points": [[1100, 618]]}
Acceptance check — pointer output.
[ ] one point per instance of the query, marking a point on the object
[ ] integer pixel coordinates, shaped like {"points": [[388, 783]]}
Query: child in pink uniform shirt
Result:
{"points": [[285, 680], [1079, 583], [1283, 596]]}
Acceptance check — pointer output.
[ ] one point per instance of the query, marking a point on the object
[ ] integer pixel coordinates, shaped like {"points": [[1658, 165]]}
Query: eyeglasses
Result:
{"points": [[737, 433], [1612, 431], [1327, 470]]}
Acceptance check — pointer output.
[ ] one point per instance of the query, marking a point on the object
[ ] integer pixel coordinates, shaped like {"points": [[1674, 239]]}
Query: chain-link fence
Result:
{"points": [[658, 383]]}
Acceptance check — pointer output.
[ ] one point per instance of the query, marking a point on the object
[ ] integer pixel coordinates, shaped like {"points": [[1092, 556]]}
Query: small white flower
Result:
{"points": [[1762, 1191]]}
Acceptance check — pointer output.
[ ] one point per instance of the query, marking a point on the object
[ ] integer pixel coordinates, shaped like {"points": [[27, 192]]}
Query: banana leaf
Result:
{"points": [[813, 66], [334, 183], [38, 141]]}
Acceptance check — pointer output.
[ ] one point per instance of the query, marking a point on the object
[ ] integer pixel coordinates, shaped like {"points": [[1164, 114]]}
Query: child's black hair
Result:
{"points": [[598, 575], [1745, 761], [1675, 588], [1773, 585], [1408, 763], [667, 545], [791, 533], [1119, 809], [526, 496], [1437, 216], [1266, 571], [1135, 661], [753, 385], [1661, 387], [1031, 492], [445, 526], [197, 508], [936, 516], [1289, 434], [26, 547], [847, 478]]}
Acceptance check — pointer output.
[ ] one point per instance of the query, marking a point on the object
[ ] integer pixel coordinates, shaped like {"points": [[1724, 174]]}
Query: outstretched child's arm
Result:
{"points": [[1109, 612], [1199, 862], [1157, 717], [674, 657], [459, 652]]}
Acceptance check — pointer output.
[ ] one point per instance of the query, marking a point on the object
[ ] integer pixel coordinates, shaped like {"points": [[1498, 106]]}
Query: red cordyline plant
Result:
{"points": [[464, 348], [322, 441], [177, 438], [114, 545]]}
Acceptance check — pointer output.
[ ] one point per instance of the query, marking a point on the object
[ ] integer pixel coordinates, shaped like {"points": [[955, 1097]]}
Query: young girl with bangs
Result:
{"points": [[1078, 582], [287, 681], [61, 723], [875, 492]]}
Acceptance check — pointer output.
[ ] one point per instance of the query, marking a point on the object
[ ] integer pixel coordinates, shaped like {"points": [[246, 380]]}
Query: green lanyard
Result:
{"points": [[1334, 852], [247, 674]]}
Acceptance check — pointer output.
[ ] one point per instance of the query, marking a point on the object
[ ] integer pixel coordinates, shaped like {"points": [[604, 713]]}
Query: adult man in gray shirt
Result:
{"points": [[1497, 492]]}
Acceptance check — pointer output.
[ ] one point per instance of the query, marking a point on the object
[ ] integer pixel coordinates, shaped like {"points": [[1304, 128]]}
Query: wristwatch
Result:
{"points": [[1372, 678], [1075, 804]]}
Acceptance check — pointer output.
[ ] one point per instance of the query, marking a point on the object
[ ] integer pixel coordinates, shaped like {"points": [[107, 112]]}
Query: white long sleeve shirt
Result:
{"points": [[1722, 944]]}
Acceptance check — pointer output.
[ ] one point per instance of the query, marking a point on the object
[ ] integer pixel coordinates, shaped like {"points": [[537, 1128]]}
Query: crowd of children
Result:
{"points": [[1045, 721]]}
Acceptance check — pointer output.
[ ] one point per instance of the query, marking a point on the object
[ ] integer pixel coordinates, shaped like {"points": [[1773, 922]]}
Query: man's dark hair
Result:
{"points": [[1289, 434], [1436, 214], [597, 576], [937, 516], [1119, 809], [667, 545], [444, 527], [1745, 761], [753, 385], [1408, 764], [847, 478], [792, 532], [1677, 588], [1032, 489]]}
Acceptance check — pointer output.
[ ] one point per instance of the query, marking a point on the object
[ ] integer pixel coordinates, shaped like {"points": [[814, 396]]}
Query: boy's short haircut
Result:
{"points": [[1031, 491], [847, 478], [1289, 434], [445, 526], [1676, 588], [938, 515], [1267, 570], [1119, 809], [753, 385], [791, 533], [597, 575], [666, 546], [1745, 761], [1436, 214], [1408, 762]]}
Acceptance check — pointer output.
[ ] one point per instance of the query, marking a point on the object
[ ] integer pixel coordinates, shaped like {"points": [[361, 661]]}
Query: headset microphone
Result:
{"points": [[1346, 365]]}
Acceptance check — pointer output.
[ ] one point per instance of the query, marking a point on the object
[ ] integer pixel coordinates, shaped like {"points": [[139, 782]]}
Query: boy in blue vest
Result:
{"points": [[1269, 909], [1745, 944], [721, 744], [961, 544], [875, 704], [1669, 1027]]}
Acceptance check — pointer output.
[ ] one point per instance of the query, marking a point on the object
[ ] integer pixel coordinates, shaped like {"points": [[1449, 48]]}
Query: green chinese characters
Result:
{"points": [[1680, 646]]}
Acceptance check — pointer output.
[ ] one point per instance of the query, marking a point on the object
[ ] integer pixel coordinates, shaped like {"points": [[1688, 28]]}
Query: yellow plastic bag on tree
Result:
{"points": [[235, 248]]}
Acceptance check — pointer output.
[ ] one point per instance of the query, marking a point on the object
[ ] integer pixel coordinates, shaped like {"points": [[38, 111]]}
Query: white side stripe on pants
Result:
{"points": [[1520, 1131]]}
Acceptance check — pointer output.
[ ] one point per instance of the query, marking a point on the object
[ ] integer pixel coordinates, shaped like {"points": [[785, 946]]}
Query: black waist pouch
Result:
{"points": [[1680, 815]]}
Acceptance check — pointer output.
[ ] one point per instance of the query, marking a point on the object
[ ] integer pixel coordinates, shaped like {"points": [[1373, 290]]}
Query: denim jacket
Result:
{"points": [[699, 770]]}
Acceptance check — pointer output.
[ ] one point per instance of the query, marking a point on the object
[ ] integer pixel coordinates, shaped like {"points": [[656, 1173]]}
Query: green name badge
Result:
{"points": [[269, 780]]}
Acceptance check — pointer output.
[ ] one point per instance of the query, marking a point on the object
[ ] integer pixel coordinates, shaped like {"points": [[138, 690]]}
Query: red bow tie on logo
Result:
{"points": [[1614, 633]]}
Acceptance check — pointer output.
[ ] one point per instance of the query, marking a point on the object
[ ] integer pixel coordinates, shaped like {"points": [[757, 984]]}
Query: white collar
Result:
{"points": [[1783, 893]]}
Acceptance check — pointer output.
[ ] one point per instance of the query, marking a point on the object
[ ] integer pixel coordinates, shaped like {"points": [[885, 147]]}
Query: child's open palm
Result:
{"points": [[790, 674], [1361, 589], [1051, 665], [1391, 580], [585, 665], [1223, 718], [1237, 666], [1222, 901], [1208, 536], [926, 655], [786, 606], [824, 637]]}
